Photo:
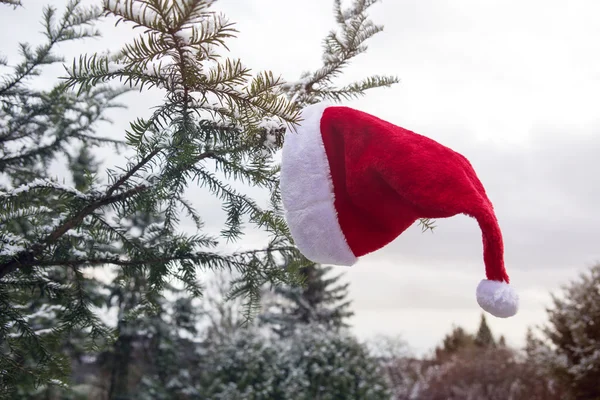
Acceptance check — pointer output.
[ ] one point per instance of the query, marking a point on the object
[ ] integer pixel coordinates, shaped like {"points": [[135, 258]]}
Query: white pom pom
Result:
{"points": [[497, 298]]}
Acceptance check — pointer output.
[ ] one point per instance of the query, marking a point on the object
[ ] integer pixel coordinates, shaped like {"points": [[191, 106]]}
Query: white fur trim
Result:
{"points": [[307, 193], [497, 298]]}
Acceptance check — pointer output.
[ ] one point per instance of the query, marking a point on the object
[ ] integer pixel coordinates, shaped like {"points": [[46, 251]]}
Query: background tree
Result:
{"points": [[462, 368], [321, 300], [222, 316], [170, 355], [484, 337], [570, 350], [74, 346], [84, 168], [501, 341], [455, 341], [487, 373], [404, 373], [313, 364], [458, 340], [129, 294]]}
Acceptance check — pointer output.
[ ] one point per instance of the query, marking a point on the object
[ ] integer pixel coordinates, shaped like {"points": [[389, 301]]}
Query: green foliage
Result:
{"points": [[14, 3], [36, 126], [155, 357], [339, 48], [501, 341], [321, 300], [458, 341], [570, 351], [426, 224], [43, 308], [313, 364], [45, 312], [453, 343], [219, 123], [484, 337], [83, 167]]}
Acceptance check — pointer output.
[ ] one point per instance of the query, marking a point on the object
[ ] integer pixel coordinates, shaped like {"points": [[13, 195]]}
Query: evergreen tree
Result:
{"points": [[43, 303], [492, 374], [501, 341], [459, 340], [210, 130], [321, 301], [453, 343], [73, 346], [571, 349], [84, 168], [221, 315], [14, 3], [168, 368], [127, 293], [484, 337], [312, 364]]}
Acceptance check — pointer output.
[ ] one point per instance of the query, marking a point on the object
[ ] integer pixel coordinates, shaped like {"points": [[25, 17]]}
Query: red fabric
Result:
{"points": [[386, 177]]}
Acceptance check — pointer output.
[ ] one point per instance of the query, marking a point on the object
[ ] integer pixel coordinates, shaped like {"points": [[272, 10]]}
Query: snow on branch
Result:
{"points": [[44, 184], [340, 47]]}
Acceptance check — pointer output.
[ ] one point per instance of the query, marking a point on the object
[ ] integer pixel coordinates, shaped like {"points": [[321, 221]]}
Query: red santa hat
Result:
{"points": [[351, 183]]}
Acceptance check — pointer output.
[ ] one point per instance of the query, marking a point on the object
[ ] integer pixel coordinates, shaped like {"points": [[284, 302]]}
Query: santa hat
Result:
{"points": [[351, 183]]}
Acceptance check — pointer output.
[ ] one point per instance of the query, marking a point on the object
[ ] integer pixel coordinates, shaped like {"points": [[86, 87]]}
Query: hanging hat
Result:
{"points": [[351, 183]]}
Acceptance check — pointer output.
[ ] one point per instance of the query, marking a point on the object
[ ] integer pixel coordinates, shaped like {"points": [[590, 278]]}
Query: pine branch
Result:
{"points": [[197, 258], [356, 89], [107, 199], [10, 159], [115, 186], [106, 261], [427, 224], [339, 48], [29, 255], [46, 120], [14, 3], [66, 30]]}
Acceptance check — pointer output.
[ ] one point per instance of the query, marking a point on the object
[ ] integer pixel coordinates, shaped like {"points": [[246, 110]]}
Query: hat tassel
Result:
{"points": [[494, 294]]}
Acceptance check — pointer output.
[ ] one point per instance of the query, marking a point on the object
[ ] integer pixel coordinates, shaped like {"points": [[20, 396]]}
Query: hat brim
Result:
{"points": [[308, 196]]}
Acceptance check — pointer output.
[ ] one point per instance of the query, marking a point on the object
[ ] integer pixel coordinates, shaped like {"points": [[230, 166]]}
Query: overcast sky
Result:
{"points": [[513, 85]]}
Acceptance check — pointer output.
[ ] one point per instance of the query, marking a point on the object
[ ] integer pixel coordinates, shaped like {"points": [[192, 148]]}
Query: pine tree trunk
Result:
{"points": [[119, 381]]}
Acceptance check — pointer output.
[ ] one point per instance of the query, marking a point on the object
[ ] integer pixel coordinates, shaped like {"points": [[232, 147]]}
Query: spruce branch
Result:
{"points": [[339, 48], [29, 255], [14, 3], [72, 26], [427, 224], [115, 186], [197, 257]]}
